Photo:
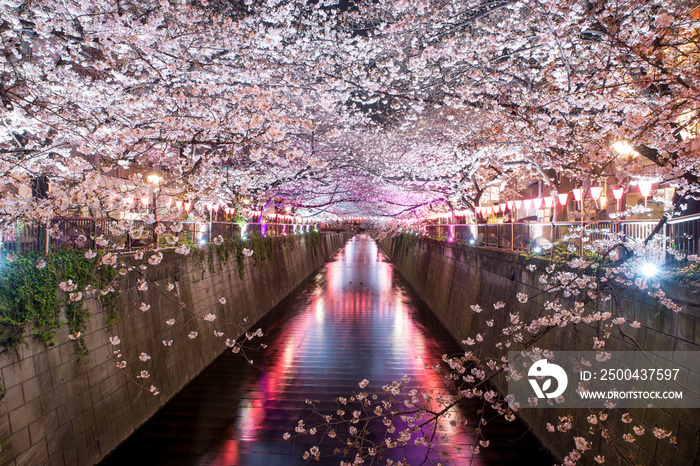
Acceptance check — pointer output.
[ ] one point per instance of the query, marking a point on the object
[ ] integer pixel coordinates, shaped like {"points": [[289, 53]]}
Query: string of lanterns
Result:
{"points": [[548, 202]]}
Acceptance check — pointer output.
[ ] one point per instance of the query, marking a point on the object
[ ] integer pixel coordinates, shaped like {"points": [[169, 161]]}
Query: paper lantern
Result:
{"points": [[563, 198], [595, 192], [617, 194], [527, 203], [502, 205], [644, 187], [548, 202], [510, 205], [537, 203], [578, 194], [518, 203]]}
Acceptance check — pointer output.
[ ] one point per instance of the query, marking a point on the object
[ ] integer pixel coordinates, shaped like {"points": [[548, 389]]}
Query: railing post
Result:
{"points": [[512, 235], [47, 238], [665, 242], [551, 241]]}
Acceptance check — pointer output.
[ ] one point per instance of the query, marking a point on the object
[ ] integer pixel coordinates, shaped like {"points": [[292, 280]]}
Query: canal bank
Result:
{"points": [[451, 278], [60, 409]]}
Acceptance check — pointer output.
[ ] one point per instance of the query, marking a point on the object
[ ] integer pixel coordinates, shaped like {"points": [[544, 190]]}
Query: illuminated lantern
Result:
{"points": [[510, 205], [617, 194], [187, 206], [178, 204], [215, 207], [644, 187], [496, 208], [537, 203], [563, 198], [527, 203], [502, 206], [518, 203], [548, 202], [578, 194], [595, 192], [144, 199]]}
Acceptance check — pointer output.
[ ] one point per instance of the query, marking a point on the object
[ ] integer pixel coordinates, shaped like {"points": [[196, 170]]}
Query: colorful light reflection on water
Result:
{"points": [[354, 319]]}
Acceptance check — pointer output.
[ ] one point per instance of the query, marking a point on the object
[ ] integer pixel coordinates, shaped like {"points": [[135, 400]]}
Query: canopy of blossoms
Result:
{"points": [[390, 109], [347, 108]]}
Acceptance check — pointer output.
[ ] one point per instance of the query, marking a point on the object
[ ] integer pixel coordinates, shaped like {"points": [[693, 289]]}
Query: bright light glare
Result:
{"points": [[649, 269], [624, 148], [537, 250], [472, 241], [154, 179]]}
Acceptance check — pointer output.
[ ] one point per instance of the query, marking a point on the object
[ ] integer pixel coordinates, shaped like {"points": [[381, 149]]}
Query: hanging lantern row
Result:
{"points": [[563, 198]]}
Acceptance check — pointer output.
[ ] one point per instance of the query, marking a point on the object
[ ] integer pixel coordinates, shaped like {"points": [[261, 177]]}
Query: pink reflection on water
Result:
{"points": [[355, 324]]}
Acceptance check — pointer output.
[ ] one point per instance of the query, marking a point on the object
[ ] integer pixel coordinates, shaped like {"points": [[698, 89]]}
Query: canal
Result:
{"points": [[354, 319]]}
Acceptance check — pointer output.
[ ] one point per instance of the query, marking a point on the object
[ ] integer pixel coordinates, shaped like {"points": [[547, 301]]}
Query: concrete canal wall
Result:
{"points": [[62, 411], [450, 278]]}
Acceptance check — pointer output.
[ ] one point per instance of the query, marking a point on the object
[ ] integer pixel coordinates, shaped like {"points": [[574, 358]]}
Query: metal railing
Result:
{"points": [[83, 233], [683, 233]]}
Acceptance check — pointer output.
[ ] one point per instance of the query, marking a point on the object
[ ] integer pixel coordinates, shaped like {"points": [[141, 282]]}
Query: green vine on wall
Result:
{"points": [[30, 301], [313, 238], [263, 247], [31, 298], [406, 242]]}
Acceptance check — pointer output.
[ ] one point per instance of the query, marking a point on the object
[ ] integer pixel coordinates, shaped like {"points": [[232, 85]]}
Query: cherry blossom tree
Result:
{"points": [[388, 109]]}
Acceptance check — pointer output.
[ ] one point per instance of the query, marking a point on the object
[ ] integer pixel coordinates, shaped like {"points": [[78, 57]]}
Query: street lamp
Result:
{"points": [[154, 179], [649, 269]]}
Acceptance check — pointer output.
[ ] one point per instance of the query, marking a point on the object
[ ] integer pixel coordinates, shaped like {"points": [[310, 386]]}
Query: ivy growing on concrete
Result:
{"points": [[31, 299]]}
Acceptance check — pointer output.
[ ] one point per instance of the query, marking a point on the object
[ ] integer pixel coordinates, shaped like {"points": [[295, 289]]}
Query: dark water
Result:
{"points": [[355, 318]]}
